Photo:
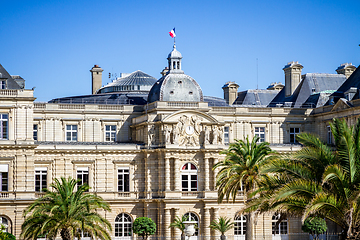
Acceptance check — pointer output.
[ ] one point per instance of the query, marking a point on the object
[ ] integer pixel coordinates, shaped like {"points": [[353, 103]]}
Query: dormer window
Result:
{"points": [[3, 84]]}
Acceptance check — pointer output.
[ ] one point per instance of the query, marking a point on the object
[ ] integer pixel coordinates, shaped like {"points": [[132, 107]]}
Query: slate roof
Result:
{"points": [[255, 97], [312, 83], [137, 78], [10, 82], [352, 81]]}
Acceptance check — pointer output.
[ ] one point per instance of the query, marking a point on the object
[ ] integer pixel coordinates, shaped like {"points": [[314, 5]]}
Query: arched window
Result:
{"points": [[239, 227], [279, 230], [193, 217], [5, 222], [123, 225], [189, 177]]}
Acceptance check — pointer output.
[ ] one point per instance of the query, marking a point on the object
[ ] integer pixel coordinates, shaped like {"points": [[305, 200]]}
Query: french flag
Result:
{"points": [[172, 33]]}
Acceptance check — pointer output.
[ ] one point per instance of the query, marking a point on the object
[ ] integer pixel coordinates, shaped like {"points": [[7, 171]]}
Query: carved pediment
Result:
{"points": [[341, 105]]}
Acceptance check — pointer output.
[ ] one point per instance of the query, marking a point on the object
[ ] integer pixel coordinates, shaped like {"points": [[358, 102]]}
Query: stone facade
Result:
{"points": [[150, 160]]}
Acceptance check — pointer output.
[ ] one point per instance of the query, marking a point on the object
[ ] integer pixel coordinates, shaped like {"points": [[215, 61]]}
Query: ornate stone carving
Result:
{"points": [[187, 131], [206, 135], [151, 135], [167, 134]]}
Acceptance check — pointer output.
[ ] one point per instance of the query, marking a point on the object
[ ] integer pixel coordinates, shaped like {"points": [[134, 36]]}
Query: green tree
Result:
{"points": [[179, 224], [67, 212], [242, 167], [315, 226], [319, 180], [5, 235], [144, 227], [223, 224]]}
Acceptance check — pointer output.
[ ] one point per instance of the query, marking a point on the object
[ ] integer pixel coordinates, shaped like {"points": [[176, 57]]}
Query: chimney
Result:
{"points": [[292, 77], [96, 77], [346, 68], [230, 92]]}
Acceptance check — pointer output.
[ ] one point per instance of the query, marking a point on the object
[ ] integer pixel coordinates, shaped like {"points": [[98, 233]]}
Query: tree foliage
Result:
{"points": [[5, 235], [66, 212], [179, 224], [318, 180], [144, 227], [222, 224], [242, 167], [315, 226]]}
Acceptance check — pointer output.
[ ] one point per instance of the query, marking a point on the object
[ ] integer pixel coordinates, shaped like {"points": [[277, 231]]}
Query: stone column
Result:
{"points": [[215, 172], [206, 221], [167, 174], [177, 174], [167, 230], [206, 174], [177, 232]]}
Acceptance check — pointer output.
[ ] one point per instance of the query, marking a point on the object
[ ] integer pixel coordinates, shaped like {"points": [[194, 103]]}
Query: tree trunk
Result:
{"points": [[65, 234]]}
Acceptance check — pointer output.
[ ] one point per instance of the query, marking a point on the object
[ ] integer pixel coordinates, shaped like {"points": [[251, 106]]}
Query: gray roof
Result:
{"points": [[312, 83], [121, 98], [132, 82], [176, 87], [10, 82], [255, 97]]}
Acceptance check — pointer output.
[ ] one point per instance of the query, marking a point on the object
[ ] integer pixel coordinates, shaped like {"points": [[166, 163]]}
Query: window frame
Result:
{"points": [[189, 173], [73, 132], [329, 135], [35, 131], [4, 174], [43, 173], [226, 135], [259, 133], [278, 230], [83, 171], [112, 133], [240, 225], [121, 171], [4, 128], [293, 133], [194, 217], [120, 223], [3, 84]]}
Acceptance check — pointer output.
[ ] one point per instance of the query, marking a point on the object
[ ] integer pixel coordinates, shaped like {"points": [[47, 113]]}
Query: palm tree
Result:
{"points": [[179, 224], [223, 225], [67, 212], [319, 180], [242, 167]]}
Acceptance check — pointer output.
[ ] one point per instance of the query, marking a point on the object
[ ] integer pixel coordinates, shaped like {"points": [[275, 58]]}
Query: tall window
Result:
{"points": [[123, 225], [40, 179], [71, 132], [35, 132], [4, 123], [4, 177], [281, 228], [110, 133], [189, 177], [260, 132], [3, 84], [226, 135], [83, 176], [193, 217], [123, 180], [239, 227], [329, 135], [293, 133]]}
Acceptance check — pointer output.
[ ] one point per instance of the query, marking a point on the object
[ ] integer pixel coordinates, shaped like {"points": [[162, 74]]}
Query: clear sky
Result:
{"points": [[53, 44]]}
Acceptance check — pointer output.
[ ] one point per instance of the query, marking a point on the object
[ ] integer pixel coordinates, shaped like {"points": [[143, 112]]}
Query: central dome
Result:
{"points": [[175, 86]]}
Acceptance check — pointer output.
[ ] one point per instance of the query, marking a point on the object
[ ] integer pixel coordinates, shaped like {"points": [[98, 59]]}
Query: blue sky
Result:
{"points": [[54, 44]]}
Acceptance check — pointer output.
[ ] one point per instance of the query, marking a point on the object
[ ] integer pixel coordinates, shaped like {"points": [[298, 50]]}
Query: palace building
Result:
{"points": [[148, 146]]}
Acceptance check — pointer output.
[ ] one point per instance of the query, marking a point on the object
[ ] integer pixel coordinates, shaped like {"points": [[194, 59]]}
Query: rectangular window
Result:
{"points": [[110, 133], [4, 177], [4, 123], [329, 135], [40, 179], [260, 132], [83, 176], [123, 180], [35, 132], [293, 133], [226, 135], [71, 132], [3, 84]]}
